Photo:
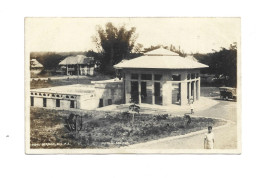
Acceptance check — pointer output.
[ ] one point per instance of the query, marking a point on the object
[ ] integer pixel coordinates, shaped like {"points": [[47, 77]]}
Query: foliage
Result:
{"points": [[115, 44], [161, 117], [134, 108], [74, 123], [223, 64], [51, 60], [108, 129]]}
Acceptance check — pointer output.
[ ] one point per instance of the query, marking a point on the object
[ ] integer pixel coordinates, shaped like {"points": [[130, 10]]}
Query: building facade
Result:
{"points": [[85, 97], [77, 65], [161, 77]]}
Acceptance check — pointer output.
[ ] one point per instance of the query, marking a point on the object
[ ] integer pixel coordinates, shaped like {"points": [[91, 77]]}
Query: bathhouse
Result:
{"points": [[161, 77]]}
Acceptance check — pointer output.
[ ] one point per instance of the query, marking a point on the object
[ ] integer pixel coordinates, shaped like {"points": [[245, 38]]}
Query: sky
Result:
{"points": [[193, 35]]}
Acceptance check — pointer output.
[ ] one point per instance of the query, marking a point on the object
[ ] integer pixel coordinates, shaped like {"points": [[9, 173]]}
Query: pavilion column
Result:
{"points": [[190, 91], [198, 89], [194, 91], [153, 96], [166, 92], [139, 90], [184, 93], [127, 88]]}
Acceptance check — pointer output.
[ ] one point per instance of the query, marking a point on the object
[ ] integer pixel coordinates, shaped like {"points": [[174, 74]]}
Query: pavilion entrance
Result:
{"points": [[143, 92], [146, 92], [176, 93], [157, 93], [134, 92]]}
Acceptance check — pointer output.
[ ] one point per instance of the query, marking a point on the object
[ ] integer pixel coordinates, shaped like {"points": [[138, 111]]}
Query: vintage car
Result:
{"points": [[227, 93]]}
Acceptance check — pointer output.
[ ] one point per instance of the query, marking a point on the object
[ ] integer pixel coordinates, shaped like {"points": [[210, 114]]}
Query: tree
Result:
{"points": [[223, 64], [115, 44]]}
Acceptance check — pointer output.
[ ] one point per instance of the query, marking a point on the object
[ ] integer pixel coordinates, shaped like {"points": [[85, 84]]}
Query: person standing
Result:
{"points": [[191, 107], [209, 139]]}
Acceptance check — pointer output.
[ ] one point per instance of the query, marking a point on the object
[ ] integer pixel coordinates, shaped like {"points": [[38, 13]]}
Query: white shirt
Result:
{"points": [[209, 138]]}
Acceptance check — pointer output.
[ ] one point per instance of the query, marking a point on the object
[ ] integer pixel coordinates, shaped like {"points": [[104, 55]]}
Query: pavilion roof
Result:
{"points": [[160, 59]]}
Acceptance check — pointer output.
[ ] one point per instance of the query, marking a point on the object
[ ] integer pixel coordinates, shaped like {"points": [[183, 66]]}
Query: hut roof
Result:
{"points": [[35, 64], [79, 59]]}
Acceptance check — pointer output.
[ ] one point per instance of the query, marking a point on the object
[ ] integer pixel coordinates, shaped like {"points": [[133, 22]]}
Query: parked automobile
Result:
{"points": [[227, 93]]}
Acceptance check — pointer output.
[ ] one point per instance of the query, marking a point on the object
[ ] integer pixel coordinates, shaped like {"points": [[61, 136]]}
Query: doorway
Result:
{"points": [[176, 93], [134, 92], [143, 92], [157, 93], [32, 101], [44, 102], [100, 103]]}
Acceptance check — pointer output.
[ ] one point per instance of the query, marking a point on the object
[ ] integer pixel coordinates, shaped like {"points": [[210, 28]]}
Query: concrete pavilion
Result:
{"points": [[161, 77]]}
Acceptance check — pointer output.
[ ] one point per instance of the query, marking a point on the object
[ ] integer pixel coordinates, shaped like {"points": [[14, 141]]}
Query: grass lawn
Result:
{"points": [[107, 129]]}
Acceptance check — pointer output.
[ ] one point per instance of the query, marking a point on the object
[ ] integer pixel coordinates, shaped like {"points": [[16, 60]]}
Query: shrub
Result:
{"points": [[161, 117]]}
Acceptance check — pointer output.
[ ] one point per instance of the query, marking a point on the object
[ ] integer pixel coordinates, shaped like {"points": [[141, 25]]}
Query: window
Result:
{"points": [[109, 101], [176, 77], [67, 96], [134, 76], [57, 103], [188, 76], [192, 76], [146, 76], [72, 104], [157, 89], [197, 75], [44, 102], [100, 103], [32, 101], [157, 77], [53, 95]]}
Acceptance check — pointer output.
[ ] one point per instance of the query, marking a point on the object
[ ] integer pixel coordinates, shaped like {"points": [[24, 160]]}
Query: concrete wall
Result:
{"points": [[87, 102], [51, 102], [110, 91]]}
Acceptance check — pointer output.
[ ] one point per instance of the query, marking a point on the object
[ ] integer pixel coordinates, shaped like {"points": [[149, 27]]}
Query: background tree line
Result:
{"points": [[222, 64], [117, 43]]}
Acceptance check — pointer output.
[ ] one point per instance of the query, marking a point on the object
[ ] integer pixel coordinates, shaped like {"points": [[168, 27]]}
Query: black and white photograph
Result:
{"points": [[133, 85]]}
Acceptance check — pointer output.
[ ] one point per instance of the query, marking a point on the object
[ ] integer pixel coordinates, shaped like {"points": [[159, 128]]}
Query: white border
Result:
{"points": [[15, 163]]}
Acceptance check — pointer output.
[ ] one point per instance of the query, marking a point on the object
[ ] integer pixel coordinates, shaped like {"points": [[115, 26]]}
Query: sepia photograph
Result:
{"points": [[132, 85]]}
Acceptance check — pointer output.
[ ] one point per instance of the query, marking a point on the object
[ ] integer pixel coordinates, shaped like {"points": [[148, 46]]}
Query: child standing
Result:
{"points": [[191, 107], [209, 139]]}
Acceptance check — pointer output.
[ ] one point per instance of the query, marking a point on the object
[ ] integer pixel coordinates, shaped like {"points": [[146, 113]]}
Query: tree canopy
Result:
{"points": [[223, 64], [115, 44]]}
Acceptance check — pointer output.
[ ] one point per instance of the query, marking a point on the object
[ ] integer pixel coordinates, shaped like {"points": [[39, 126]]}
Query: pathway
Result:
{"points": [[225, 137]]}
